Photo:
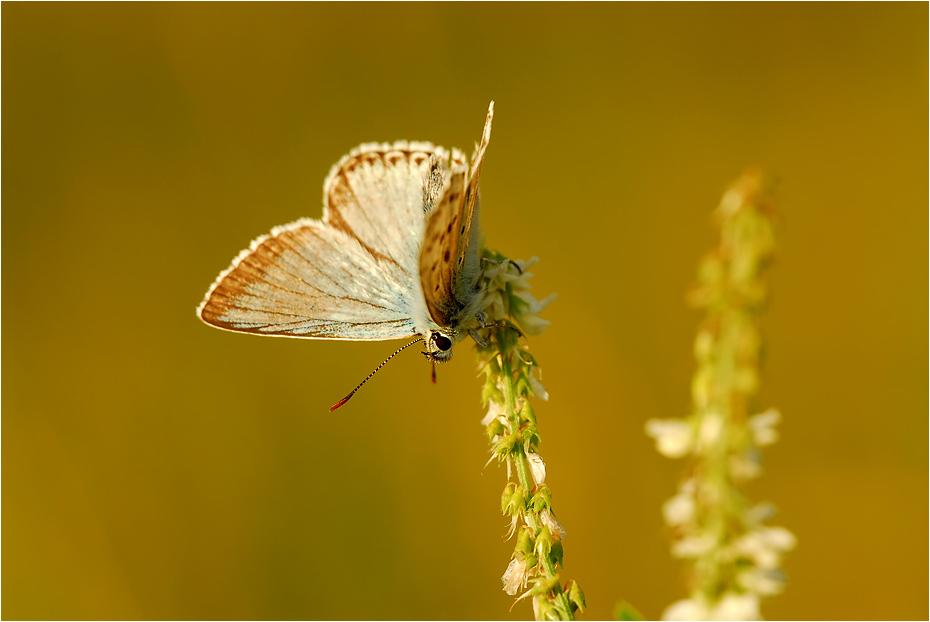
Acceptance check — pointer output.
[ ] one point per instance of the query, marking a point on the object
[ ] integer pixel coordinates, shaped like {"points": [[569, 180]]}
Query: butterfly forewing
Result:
{"points": [[309, 279], [449, 262], [439, 249]]}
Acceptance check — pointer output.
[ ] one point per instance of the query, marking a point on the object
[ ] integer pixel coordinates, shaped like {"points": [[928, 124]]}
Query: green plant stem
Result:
{"points": [[523, 477], [511, 380]]}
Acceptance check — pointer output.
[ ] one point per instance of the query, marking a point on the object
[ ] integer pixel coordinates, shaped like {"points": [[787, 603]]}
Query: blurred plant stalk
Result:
{"points": [[733, 556], [510, 380]]}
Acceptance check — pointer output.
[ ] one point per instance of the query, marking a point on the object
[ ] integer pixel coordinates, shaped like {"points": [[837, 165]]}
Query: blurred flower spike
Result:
{"points": [[512, 377], [733, 556]]}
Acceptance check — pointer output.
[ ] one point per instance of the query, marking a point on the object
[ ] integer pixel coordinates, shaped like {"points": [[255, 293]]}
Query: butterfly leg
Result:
{"points": [[482, 318], [501, 262], [474, 335], [483, 321]]}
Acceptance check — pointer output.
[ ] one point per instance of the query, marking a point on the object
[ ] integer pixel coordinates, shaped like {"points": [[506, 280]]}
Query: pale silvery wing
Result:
{"points": [[353, 274]]}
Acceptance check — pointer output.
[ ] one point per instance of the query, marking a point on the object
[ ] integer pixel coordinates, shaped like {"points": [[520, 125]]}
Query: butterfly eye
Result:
{"points": [[442, 342]]}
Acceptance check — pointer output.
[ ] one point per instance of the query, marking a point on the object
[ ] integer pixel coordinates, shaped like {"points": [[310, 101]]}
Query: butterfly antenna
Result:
{"points": [[349, 396]]}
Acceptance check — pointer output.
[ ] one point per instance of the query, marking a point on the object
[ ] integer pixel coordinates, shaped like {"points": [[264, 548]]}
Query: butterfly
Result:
{"points": [[395, 255]]}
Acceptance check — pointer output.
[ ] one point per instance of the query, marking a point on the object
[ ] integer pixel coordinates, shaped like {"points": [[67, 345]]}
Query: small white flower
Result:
{"points": [[537, 468], [528, 319], [494, 411], [555, 527], [753, 546], [711, 427], [762, 582], [733, 200], [780, 538], [762, 512], [674, 437], [745, 466], [515, 577], [534, 306], [765, 546], [538, 389], [686, 609], [493, 305], [736, 607], [730, 607], [679, 510], [692, 546], [498, 276], [762, 427]]}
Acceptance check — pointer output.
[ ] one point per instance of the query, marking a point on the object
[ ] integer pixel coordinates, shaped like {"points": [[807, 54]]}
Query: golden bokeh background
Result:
{"points": [[154, 467]]}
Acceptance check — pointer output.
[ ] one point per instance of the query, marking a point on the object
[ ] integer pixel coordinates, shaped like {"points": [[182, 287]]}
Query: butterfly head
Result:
{"points": [[439, 345]]}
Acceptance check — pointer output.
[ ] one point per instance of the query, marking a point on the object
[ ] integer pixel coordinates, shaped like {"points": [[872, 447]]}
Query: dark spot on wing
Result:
{"points": [[446, 256]]}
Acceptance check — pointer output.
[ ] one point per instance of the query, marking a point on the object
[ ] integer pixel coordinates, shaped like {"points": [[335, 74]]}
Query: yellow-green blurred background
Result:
{"points": [[154, 467]]}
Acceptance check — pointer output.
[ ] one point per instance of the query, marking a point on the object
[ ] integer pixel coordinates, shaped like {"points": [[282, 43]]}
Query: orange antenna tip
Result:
{"points": [[341, 402]]}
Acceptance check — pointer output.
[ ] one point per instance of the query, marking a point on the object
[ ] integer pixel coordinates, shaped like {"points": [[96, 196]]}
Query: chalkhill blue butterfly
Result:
{"points": [[395, 255]]}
